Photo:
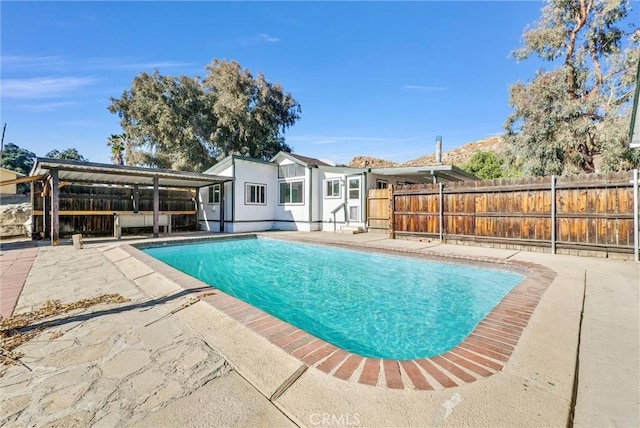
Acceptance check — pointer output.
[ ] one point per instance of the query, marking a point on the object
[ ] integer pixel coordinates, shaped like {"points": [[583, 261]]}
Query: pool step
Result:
{"points": [[351, 229]]}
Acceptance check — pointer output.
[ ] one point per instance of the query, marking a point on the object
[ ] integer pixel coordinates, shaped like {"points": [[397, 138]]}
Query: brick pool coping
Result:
{"points": [[485, 351]]}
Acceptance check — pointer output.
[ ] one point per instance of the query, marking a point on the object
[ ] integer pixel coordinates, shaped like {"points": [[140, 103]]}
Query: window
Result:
{"points": [[291, 192], [382, 184], [254, 194], [290, 170], [332, 188], [214, 194], [354, 188], [354, 213]]}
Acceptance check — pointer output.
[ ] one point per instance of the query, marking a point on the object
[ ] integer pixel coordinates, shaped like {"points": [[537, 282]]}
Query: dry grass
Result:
{"points": [[12, 329]]}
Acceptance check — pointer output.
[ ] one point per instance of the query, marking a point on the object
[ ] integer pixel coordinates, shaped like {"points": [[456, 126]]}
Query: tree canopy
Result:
{"points": [[485, 165], [189, 123], [17, 159], [574, 118], [70, 154]]}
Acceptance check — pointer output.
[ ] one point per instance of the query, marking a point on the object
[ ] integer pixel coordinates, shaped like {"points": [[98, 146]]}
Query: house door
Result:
{"points": [[353, 198]]}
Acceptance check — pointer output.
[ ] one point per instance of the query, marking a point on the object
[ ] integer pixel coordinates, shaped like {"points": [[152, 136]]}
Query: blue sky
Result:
{"points": [[373, 78]]}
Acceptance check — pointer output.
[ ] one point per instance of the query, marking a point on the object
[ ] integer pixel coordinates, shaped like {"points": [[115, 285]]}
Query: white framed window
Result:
{"points": [[332, 188], [255, 194], [291, 192], [354, 188], [214, 194], [382, 184]]}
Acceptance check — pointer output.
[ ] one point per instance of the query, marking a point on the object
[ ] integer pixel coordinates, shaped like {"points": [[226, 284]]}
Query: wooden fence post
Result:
{"points": [[392, 206], [440, 212], [636, 250], [553, 214]]}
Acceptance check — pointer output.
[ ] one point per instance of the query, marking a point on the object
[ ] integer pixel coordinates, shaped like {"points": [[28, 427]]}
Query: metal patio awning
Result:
{"points": [[99, 173], [427, 173]]}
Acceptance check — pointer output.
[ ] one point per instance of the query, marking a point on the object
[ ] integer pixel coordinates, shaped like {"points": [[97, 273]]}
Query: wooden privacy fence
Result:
{"points": [[587, 212], [90, 209]]}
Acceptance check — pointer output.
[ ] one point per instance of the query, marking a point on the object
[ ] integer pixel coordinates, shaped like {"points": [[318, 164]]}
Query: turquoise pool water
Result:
{"points": [[369, 304]]}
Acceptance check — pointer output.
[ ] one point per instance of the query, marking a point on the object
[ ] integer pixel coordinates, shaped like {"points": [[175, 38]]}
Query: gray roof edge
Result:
{"points": [[341, 168], [65, 164], [288, 156], [230, 158], [423, 168]]}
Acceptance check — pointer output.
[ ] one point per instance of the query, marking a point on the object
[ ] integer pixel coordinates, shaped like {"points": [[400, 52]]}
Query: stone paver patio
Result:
{"points": [[138, 364]]}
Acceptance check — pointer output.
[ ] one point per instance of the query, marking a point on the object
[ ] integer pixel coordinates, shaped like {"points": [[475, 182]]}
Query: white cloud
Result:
{"points": [[35, 61], [59, 63], [43, 87], [262, 37], [44, 107], [423, 88]]}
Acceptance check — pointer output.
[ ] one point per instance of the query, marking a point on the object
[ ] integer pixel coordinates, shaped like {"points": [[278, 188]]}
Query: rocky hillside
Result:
{"points": [[458, 156], [15, 220], [369, 162]]}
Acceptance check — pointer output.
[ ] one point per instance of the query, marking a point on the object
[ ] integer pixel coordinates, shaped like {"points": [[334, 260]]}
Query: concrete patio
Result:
{"points": [[138, 364]]}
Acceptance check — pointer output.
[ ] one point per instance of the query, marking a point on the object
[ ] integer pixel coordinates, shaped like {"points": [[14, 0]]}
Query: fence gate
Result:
{"points": [[378, 211]]}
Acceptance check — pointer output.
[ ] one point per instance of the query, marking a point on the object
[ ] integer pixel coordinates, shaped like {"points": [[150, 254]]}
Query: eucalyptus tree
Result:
{"points": [[189, 123], [575, 117]]}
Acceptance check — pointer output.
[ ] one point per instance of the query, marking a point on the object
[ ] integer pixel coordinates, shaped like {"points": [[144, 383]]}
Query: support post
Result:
{"points": [[46, 209], [32, 199], [136, 199], [636, 232], [222, 207], [196, 203], [440, 212], [156, 206], [392, 206], [553, 214], [55, 208]]}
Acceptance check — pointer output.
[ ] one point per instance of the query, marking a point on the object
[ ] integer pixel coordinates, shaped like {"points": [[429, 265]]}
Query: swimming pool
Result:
{"points": [[369, 304]]}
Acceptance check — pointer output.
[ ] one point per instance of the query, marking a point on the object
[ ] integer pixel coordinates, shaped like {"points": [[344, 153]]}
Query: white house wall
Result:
{"points": [[314, 213], [329, 204], [253, 217], [290, 216], [209, 213]]}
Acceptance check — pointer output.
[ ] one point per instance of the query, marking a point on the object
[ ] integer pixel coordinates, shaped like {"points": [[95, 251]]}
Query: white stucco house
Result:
{"points": [[293, 192]]}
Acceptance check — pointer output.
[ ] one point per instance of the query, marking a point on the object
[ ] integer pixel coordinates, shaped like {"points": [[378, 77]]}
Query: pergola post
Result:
{"points": [[136, 199], [55, 208], [222, 198], [156, 206]]}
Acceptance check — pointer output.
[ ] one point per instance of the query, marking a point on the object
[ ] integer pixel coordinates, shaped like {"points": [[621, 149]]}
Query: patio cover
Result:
{"points": [[56, 170], [427, 174], [90, 172]]}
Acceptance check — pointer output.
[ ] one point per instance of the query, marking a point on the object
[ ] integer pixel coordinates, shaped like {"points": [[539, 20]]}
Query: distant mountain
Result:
{"points": [[458, 156]]}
